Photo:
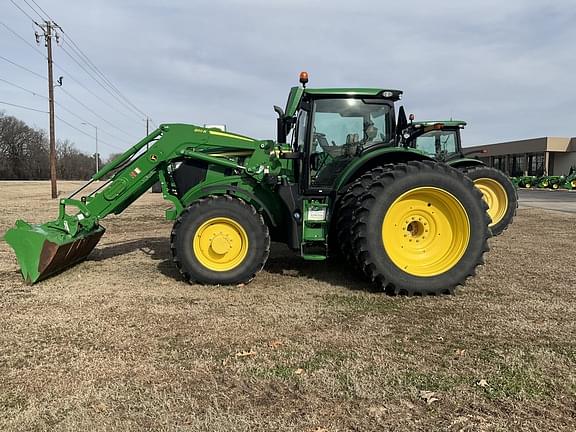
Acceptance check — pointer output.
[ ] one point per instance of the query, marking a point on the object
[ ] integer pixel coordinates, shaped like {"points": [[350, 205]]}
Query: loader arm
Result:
{"points": [[44, 249]]}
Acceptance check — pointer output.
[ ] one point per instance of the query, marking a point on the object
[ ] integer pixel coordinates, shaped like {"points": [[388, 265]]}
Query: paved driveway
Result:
{"points": [[560, 200]]}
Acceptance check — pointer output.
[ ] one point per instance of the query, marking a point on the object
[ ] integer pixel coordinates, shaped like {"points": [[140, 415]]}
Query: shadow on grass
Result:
{"points": [[333, 271], [157, 248], [281, 261]]}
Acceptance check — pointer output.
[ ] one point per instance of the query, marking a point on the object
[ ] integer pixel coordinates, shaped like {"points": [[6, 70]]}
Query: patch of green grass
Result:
{"points": [[289, 362], [326, 358], [430, 381], [279, 371], [517, 382], [362, 303]]}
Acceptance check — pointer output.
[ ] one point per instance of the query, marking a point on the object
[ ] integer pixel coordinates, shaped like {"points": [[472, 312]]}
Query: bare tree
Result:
{"points": [[24, 154]]}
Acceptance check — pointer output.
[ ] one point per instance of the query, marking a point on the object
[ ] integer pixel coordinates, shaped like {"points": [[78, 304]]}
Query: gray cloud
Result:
{"points": [[502, 66]]}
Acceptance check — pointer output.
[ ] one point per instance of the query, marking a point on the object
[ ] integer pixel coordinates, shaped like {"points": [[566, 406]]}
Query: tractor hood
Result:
{"points": [[216, 137]]}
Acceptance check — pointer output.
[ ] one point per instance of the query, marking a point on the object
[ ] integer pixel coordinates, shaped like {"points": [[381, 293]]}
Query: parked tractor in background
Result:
{"points": [[570, 180], [410, 223], [442, 140], [526, 182]]}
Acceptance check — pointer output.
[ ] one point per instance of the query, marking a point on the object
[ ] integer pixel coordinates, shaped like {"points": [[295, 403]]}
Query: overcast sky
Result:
{"points": [[506, 67]]}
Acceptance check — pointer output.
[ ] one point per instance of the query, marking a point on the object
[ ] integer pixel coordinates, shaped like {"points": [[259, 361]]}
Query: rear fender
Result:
{"points": [[465, 163], [378, 157]]}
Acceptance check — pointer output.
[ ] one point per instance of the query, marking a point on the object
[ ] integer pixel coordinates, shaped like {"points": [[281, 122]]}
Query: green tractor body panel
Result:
{"points": [[376, 157]]}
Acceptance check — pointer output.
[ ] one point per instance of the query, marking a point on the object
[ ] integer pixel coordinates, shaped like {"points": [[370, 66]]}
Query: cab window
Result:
{"points": [[341, 129], [437, 143]]}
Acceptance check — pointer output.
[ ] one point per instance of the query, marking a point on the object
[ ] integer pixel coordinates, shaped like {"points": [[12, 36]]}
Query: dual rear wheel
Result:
{"points": [[414, 228]]}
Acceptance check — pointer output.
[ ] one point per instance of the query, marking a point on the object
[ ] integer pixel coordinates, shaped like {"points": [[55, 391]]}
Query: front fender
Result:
{"points": [[239, 186]]}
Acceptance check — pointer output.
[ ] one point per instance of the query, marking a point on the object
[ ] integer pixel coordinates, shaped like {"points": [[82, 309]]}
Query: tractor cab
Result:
{"points": [[437, 139], [331, 127]]}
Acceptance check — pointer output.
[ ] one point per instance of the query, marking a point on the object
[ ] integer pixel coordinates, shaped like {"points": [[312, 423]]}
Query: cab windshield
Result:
{"points": [[438, 143], [341, 129]]}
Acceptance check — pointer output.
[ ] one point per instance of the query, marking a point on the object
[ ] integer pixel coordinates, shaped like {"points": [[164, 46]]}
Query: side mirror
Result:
{"points": [[280, 125], [279, 111], [402, 121]]}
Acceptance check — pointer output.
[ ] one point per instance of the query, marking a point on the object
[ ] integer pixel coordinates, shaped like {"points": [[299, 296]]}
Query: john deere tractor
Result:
{"points": [[411, 224], [442, 140]]}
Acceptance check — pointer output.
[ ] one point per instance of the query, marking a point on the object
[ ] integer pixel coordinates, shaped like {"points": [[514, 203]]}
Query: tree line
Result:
{"points": [[25, 152]]}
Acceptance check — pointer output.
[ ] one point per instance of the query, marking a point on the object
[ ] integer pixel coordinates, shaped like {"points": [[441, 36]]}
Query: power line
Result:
{"points": [[86, 121], [34, 10], [87, 134], [71, 77], [61, 106], [24, 12], [94, 112], [23, 88], [95, 68], [68, 75], [100, 75], [42, 10], [23, 40], [23, 107], [57, 103], [95, 79], [22, 67]]}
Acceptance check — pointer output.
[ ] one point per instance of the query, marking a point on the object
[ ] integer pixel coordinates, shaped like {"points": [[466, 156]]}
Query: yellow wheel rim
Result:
{"points": [[528, 185], [495, 196], [573, 183], [220, 244], [555, 186], [426, 231]]}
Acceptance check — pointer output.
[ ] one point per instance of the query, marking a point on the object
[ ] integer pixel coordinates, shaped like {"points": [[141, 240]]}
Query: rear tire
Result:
{"points": [[428, 202], [220, 240], [345, 212], [499, 193]]}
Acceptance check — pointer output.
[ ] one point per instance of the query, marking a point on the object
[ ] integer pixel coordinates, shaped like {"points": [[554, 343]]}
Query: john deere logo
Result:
{"points": [[153, 158]]}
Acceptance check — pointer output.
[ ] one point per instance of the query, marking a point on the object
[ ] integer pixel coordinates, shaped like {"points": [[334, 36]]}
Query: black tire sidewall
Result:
{"points": [[251, 222], [476, 216], [497, 175]]}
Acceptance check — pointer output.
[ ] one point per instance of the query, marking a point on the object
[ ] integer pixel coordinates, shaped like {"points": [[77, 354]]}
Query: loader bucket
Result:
{"points": [[42, 251]]}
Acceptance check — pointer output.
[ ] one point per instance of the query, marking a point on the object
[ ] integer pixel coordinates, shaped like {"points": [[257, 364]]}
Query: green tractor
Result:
{"points": [[442, 140], [527, 182], [551, 182], [411, 224], [570, 180]]}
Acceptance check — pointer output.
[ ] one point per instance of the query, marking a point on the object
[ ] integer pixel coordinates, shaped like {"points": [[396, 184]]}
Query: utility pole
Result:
{"points": [[49, 33]]}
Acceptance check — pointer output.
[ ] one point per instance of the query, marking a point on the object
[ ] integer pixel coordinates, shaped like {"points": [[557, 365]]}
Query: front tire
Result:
{"points": [[220, 240], [421, 228]]}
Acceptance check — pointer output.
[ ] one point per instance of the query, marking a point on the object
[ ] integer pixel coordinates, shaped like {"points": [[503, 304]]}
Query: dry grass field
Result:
{"points": [[119, 342]]}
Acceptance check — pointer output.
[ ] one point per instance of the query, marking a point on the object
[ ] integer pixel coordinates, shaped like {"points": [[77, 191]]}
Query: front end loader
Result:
{"points": [[334, 176], [442, 140]]}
